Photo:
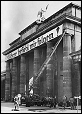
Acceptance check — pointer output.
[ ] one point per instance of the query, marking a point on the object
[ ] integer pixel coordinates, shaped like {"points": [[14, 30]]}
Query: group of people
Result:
{"points": [[72, 102], [53, 102]]}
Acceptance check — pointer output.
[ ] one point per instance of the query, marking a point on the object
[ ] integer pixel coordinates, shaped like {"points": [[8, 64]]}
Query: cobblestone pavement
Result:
{"points": [[7, 108]]}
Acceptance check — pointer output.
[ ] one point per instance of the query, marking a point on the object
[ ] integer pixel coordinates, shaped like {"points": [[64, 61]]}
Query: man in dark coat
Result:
{"points": [[72, 103], [64, 101]]}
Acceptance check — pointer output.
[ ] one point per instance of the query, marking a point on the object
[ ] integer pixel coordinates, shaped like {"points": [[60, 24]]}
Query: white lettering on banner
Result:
{"points": [[35, 43], [23, 49], [44, 39], [12, 54]]}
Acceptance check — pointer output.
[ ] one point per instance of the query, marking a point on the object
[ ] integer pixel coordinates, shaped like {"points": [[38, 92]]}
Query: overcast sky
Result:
{"points": [[17, 15]]}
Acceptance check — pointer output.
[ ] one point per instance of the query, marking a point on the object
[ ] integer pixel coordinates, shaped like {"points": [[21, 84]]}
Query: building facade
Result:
{"points": [[28, 54]]}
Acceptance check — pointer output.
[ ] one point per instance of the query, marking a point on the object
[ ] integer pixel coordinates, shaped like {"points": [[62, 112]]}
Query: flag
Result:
{"points": [[39, 13], [47, 7]]}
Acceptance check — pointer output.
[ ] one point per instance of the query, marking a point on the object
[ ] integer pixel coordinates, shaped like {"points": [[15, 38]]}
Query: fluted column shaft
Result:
{"points": [[67, 85], [14, 78], [36, 69], [22, 74], [7, 82], [27, 75], [49, 73], [76, 79]]}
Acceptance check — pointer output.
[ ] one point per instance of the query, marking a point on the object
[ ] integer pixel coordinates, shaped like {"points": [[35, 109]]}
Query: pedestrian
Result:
{"points": [[57, 105], [16, 102], [64, 101], [19, 98], [75, 103], [51, 102], [55, 101], [72, 103]]}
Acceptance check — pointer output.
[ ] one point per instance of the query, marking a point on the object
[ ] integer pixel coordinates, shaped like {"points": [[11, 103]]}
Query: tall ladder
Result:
{"points": [[49, 58]]}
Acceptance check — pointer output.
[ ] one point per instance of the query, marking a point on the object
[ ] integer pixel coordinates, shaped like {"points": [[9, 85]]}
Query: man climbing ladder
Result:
{"points": [[49, 58]]}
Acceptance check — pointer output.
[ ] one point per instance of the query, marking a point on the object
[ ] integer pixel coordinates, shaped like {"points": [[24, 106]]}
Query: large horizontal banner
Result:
{"points": [[36, 42]]}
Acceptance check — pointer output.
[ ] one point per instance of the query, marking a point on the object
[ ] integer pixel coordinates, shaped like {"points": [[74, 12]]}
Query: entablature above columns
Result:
{"points": [[49, 26]]}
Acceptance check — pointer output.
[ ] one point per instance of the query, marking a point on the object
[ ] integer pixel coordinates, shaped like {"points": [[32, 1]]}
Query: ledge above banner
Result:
{"points": [[36, 42]]}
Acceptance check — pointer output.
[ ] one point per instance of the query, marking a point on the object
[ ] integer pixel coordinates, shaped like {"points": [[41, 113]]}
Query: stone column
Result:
{"points": [[76, 79], [79, 78], [22, 74], [14, 78], [7, 82], [11, 63], [36, 69], [43, 75], [55, 75], [27, 75], [18, 75], [49, 73], [67, 86]]}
